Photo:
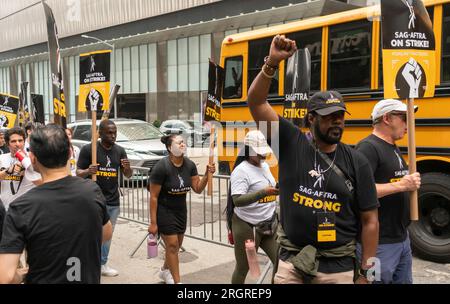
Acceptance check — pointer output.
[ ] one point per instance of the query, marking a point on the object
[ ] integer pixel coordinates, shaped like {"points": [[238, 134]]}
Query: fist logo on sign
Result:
{"points": [[3, 121], [94, 100], [412, 72]]}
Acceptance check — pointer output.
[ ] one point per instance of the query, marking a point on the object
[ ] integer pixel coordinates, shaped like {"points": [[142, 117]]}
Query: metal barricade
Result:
{"points": [[206, 218], [135, 196], [206, 215]]}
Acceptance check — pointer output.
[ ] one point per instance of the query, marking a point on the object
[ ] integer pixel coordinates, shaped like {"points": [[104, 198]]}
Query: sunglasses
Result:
{"points": [[401, 115]]}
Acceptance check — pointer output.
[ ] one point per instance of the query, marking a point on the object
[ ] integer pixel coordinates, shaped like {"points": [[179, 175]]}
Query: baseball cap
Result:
{"points": [[326, 102], [389, 105], [256, 140]]}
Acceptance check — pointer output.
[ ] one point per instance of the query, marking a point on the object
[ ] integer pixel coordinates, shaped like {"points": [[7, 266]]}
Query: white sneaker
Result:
{"points": [[166, 276], [109, 272]]}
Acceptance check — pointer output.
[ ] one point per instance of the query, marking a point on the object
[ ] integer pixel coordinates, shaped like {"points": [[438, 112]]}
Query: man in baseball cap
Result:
{"points": [[325, 117], [325, 103], [310, 165], [393, 183], [386, 106]]}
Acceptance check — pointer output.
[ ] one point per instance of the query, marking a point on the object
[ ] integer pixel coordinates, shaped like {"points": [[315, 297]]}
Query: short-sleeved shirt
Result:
{"points": [[247, 178], [304, 194], [60, 223], [388, 167], [175, 182], [14, 185], [108, 169]]}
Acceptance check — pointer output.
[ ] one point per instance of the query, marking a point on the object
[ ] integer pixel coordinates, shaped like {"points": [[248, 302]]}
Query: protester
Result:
{"points": [[62, 235], [325, 204], [254, 195], [75, 153], [172, 178], [16, 174], [3, 146], [110, 158], [393, 183]]}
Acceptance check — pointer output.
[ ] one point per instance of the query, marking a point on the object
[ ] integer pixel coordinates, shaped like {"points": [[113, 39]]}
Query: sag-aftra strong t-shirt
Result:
{"points": [[303, 194]]}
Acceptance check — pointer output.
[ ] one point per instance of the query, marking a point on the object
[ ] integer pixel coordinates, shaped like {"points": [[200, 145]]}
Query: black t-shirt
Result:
{"points": [[175, 182], [388, 167], [108, 169], [303, 195], [4, 149], [60, 224]]}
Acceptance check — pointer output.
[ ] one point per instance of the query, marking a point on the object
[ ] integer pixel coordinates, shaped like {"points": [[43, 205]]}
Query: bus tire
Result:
{"points": [[430, 235]]}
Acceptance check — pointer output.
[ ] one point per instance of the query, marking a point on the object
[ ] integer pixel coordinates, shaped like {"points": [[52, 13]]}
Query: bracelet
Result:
{"points": [[267, 75], [266, 60]]}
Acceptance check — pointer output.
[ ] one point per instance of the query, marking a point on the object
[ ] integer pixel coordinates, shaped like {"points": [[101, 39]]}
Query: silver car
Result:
{"points": [[140, 139]]}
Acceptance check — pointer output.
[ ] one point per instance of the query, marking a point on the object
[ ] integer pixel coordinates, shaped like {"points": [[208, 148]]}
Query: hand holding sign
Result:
{"points": [[413, 76]]}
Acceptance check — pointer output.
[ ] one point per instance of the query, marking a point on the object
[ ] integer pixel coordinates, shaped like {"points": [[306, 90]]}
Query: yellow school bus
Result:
{"points": [[346, 56]]}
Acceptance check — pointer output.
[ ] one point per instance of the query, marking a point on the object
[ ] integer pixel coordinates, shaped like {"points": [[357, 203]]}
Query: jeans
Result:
{"points": [[396, 262], [113, 212]]}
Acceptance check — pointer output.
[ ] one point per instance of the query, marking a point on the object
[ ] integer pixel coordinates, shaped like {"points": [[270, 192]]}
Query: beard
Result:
{"points": [[332, 136]]}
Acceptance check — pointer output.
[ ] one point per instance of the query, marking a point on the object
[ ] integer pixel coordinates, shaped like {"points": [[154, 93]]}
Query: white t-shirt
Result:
{"points": [[247, 178], [19, 184], [73, 160]]}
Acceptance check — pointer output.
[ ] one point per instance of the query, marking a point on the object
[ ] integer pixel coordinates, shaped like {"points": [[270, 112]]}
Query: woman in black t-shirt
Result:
{"points": [[172, 178]]}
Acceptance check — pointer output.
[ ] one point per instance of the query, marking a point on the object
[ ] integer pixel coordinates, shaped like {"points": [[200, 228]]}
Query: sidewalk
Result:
{"points": [[201, 263], [204, 262]]}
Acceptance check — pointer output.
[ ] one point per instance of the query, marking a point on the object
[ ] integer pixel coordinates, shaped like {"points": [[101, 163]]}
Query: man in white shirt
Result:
{"points": [[16, 172]]}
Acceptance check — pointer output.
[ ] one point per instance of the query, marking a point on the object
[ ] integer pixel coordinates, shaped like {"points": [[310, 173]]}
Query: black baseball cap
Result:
{"points": [[326, 102]]}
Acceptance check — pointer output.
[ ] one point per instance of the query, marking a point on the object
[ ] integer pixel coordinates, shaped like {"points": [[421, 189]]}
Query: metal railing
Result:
{"points": [[206, 216]]}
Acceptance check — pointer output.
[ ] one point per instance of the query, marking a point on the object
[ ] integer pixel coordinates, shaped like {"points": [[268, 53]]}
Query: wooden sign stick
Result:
{"points": [[414, 209]]}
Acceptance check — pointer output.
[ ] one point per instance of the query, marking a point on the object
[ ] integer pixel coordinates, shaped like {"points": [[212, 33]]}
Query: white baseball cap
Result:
{"points": [[389, 105], [256, 140]]}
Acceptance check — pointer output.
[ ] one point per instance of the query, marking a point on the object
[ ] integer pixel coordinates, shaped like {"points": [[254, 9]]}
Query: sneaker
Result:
{"points": [[109, 272], [166, 276]]}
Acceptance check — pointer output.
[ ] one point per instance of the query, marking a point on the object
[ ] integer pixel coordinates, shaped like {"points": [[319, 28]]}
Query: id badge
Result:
{"points": [[326, 226]]}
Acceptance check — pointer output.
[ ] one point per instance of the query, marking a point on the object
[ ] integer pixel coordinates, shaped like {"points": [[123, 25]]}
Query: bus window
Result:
{"points": [[350, 55], [312, 40], [445, 63], [232, 87], [257, 50]]}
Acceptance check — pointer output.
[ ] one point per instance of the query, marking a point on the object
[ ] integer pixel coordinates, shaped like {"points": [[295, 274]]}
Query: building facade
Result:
{"points": [[160, 48]]}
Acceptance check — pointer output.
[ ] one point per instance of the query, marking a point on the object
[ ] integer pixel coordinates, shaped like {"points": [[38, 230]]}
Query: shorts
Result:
{"points": [[171, 221]]}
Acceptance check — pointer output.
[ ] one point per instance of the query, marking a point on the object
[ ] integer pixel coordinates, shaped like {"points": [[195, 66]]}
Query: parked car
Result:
{"points": [[194, 134], [140, 139]]}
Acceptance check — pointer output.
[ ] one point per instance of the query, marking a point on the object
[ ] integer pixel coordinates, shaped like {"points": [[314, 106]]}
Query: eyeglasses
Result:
{"points": [[401, 115]]}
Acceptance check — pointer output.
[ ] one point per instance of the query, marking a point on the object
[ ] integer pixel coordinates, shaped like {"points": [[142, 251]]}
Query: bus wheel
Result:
{"points": [[430, 235]]}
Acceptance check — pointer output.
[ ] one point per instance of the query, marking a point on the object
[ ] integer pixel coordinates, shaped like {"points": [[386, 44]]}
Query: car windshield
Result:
{"points": [[137, 131]]}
